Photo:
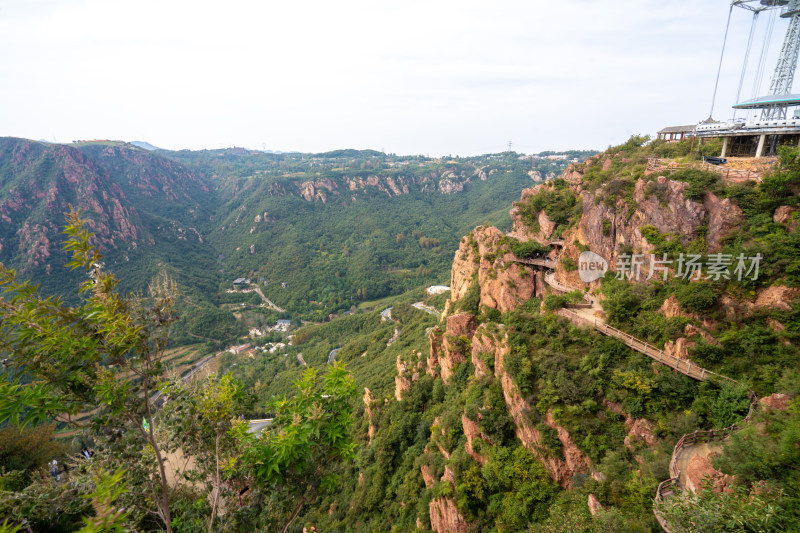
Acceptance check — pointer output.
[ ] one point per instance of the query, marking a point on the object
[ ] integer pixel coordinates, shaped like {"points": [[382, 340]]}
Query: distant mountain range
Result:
{"points": [[145, 145], [338, 227]]}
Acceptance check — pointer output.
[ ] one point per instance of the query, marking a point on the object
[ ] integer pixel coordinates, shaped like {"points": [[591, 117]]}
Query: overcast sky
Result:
{"points": [[430, 77]]}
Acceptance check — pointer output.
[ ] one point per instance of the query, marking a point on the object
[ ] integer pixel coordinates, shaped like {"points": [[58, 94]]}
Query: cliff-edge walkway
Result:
{"points": [[698, 443]]}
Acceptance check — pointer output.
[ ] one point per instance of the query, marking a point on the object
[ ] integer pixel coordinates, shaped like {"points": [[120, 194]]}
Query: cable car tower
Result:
{"points": [[772, 106], [768, 115]]}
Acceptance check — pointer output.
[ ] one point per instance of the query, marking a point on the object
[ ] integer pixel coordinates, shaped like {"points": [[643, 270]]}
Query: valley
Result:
{"points": [[489, 386]]}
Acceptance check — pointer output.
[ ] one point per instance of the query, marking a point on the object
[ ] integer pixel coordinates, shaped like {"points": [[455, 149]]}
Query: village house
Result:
{"points": [[235, 350]]}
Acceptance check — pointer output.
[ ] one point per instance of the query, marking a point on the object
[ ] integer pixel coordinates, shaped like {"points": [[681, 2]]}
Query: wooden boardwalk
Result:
{"points": [[684, 449], [543, 262]]}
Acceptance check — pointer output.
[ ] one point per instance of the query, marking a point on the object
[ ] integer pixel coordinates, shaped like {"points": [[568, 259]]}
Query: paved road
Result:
{"points": [[332, 354], [386, 314], [428, 309], [257, 426], [268, 301]]}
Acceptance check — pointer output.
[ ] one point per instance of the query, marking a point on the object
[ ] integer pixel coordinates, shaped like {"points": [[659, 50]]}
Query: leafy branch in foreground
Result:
{"points": [[310, 433], [102, 357]]}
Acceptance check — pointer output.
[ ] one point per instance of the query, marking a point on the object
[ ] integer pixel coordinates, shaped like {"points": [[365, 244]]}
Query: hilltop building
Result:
{"points": [[767, 122]]}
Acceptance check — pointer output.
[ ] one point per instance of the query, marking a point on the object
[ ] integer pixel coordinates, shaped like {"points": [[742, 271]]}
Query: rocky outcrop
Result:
{"points": [[473, 432], [316, 190], [560, 468], [483, 343], [700, 469], [465, 267], [679, 348], [521, 230], [435, 349], [723, 217], [368, 399], [402, 383], [445, 517], [776, 401], [481, 258], [457, 337], [427, 477], [408, 371], [785, 215], [594, 505], [777, 297], [641, 430]]}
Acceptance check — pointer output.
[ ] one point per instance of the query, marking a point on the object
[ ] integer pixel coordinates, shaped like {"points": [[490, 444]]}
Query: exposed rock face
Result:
{"points": [[671, 308], [465, 267], [777, 401], [445, 517], [640, 430], [321, 190], [483, 342], [699, 469], [560, 469], [723, 217], [368, 399], [427, 477], [504, 284], [435, 341], [784, 215], [594, 505], [458, 331], [473, 432], [546, 226], [315, 190], [408, 370], [777, 297], [447, 186], [678, 349]]}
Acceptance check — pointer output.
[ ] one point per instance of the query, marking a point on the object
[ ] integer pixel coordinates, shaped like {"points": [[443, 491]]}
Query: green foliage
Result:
{"points": [[558, 203], [569, 264], [310, 433], [527, 249], [696, 297], [729, 511], [470, 301], [25, 450], [766, 450], [108, 517], [75, 359], [700, 182]]}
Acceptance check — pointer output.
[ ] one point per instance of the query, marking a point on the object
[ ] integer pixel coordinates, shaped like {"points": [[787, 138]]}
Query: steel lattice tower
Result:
{"points": [[783, 76]]}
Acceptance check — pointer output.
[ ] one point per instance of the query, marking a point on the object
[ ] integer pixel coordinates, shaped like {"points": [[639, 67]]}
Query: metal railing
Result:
{"points": [[550, 279], [547, 263], [668, 487], [653, 165], [681, 365]]}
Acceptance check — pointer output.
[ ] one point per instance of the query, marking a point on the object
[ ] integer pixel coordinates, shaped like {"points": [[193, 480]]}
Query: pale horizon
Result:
{"points": [[448, 78]]}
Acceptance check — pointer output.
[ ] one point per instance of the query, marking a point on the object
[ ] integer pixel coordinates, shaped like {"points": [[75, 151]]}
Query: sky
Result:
{"points": [[435, 77]]}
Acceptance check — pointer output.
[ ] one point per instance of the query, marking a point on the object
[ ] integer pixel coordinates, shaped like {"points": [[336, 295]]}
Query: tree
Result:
{"points": [[200, 420], [293, 458], [102, 357]]}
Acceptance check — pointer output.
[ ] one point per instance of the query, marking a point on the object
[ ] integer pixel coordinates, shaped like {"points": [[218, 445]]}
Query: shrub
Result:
{"points": [[700, 182], [696, 297]]}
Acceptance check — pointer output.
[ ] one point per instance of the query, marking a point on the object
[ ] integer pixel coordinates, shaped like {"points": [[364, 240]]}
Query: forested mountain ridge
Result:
{"points": [[516, 418], [336, 228], [144, 210]]}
